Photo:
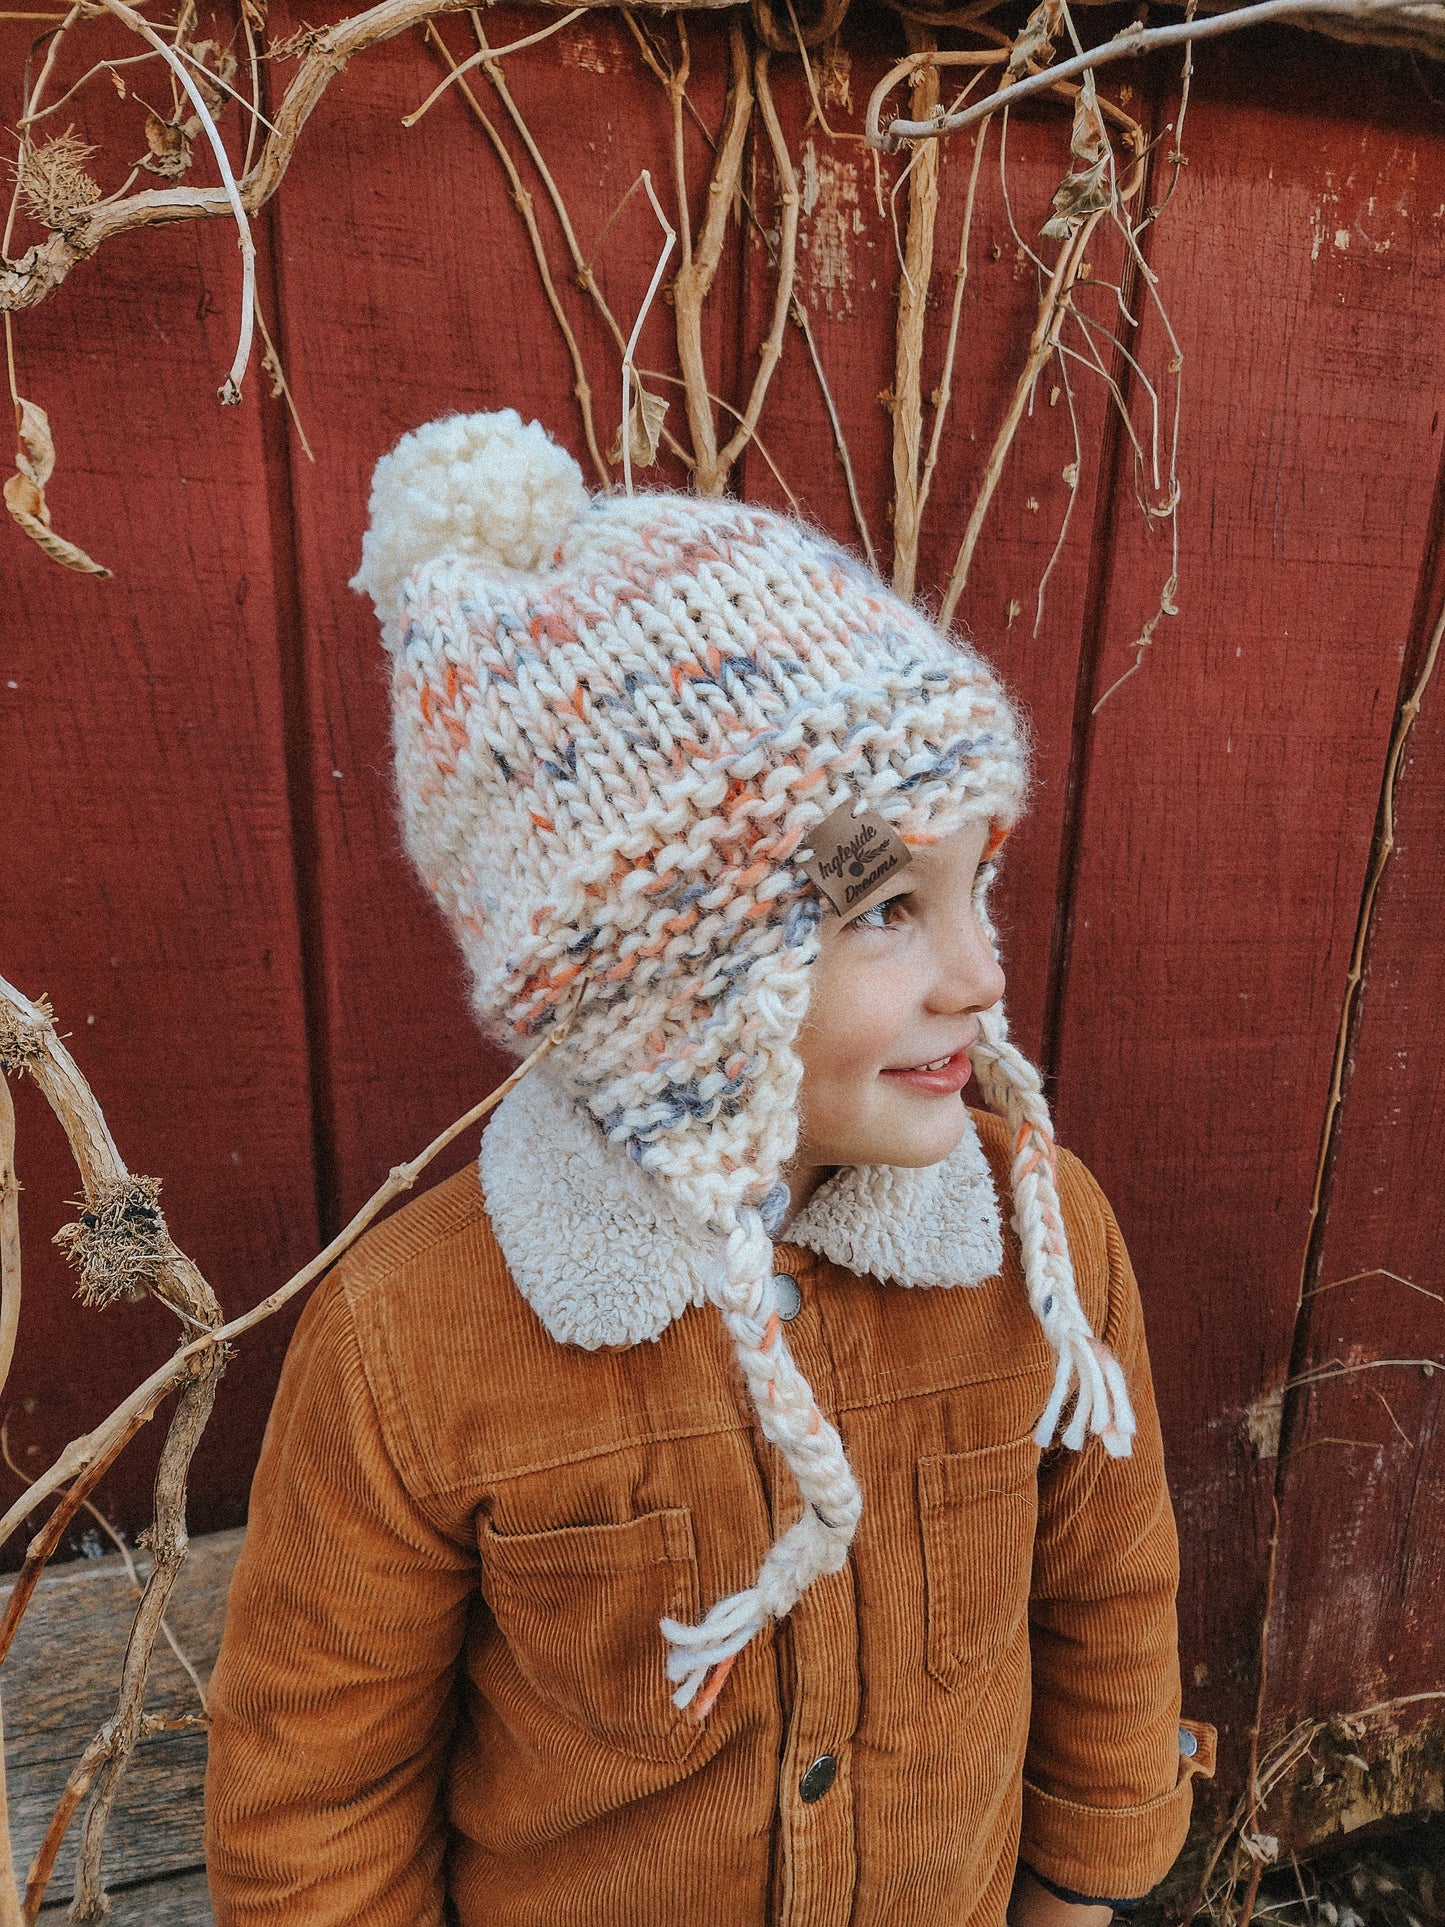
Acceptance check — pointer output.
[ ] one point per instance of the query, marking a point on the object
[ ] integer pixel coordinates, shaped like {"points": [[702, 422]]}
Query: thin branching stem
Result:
{"points": [[581, 387]]}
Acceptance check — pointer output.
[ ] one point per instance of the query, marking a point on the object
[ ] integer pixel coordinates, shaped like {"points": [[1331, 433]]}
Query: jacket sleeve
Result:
{"points": [[1107, 1779], [331, 1703]]}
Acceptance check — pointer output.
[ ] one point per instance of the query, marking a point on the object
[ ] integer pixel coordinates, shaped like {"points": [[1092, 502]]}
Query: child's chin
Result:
{"points": [[917, 1142]]}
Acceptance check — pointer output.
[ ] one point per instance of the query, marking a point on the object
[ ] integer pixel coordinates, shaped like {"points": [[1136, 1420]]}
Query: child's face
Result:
{"points": [[895, 988]]}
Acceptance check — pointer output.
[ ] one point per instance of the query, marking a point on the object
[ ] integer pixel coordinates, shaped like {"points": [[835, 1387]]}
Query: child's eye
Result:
{"points": [[881, 916]]}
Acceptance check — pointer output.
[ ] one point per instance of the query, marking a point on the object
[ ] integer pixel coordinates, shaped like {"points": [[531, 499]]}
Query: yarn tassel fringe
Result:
{"points": [[710, 1647]]}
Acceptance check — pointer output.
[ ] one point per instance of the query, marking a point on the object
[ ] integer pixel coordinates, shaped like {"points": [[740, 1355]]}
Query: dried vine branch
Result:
{"points": [[789, 202], [907, 399], [42, 268], [9, 1235], [169, 1543], [700, 264]]}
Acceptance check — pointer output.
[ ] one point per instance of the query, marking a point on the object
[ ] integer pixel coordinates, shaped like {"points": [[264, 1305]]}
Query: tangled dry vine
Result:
{"points": [[122, 1247], [54, 184]]}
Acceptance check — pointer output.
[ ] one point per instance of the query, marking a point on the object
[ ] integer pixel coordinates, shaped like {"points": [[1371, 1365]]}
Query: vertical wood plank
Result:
{"points": [[147, 882], [1231, 784]]}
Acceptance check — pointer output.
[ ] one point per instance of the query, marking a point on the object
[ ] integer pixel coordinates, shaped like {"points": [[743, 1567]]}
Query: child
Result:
{"points": [[709, 806]]}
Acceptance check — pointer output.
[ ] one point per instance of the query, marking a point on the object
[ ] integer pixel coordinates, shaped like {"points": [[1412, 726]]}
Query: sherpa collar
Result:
{"points": [[604, 1257]]}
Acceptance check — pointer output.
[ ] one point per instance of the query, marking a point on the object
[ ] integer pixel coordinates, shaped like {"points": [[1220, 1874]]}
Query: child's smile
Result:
{"points": [[894, 1011]]}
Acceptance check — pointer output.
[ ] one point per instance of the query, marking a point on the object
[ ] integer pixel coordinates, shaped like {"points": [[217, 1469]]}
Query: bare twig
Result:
{"points": [[581, 267], [43, 1545], [1379, 862], [581, 387], [137, 1584], [169, 1544], [42, 1867], [484, 54], [231, 387], [9, 1235], [675, 381], [840, 440], [1053, 309], [271, 363], [100, 67], [628, 367], [1375, 1271], [1047, 323], [943, 395]]}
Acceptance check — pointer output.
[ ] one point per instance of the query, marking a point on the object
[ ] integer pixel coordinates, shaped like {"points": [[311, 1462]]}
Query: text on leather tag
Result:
{"points": [[853, 855]]}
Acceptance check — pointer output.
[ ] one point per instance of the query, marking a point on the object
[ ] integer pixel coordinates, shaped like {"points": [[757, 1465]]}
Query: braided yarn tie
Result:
{"points": [[1086, 1367], [815, 1544]]}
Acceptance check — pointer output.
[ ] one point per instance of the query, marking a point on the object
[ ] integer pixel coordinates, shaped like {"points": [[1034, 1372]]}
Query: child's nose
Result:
{"points": [[970, 976]]}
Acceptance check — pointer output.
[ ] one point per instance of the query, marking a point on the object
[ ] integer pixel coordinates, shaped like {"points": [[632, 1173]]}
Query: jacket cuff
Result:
{"points": [[1088, 1849]]}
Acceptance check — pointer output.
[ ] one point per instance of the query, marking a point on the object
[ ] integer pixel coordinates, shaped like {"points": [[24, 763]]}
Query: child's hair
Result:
{"points": [[619, 720]]}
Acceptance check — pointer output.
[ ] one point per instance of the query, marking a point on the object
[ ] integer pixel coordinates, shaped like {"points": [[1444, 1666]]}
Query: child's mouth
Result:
{"points": [[945, 1076]]}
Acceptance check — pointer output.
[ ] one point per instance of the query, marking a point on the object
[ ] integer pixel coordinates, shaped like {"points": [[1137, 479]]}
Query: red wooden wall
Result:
{"points": [[200, 864]]}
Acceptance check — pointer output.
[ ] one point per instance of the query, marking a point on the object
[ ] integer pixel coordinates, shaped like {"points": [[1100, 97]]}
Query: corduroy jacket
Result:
{"points": [[441, 1691]]}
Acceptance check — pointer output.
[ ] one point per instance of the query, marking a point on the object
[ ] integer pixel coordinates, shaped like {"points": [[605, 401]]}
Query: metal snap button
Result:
{"points": [[787, 1295], [1188, 1743], [818, 1778]]}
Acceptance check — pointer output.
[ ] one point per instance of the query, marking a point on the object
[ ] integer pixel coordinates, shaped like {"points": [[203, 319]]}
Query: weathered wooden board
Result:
{"points": [[1231, 785], [59, 1684], [147, 866]]}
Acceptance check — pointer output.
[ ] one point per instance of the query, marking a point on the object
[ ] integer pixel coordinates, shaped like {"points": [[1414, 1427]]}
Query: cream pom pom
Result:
{"points": [[491, 487]]}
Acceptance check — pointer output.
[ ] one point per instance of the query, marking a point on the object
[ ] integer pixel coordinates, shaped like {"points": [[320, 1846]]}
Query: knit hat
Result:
{"points": [[620, 722]]}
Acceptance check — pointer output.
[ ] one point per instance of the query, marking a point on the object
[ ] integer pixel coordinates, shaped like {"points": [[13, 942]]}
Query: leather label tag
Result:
{"points": [[854, 855]]}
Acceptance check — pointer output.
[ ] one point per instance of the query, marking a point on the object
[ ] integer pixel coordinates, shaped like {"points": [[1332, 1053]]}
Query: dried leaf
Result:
{"points": [[644, 428], [117, 82], [170, 145], [1090, 189], [25, 490], [1036, 42], [36, 454]]}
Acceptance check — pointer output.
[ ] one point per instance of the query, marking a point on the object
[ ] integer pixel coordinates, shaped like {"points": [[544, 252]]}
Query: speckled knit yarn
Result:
{"points": [[617, 720]]}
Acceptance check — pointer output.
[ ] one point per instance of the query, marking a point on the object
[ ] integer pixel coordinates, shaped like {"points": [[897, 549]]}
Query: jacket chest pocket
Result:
{"points": [[578, 1608], [978, 1512]]}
